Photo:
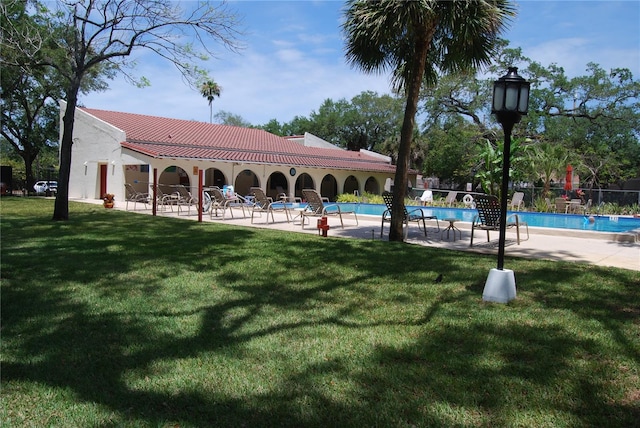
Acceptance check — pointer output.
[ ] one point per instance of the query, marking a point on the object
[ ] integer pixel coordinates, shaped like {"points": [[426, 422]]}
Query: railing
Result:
{"points": [[599, 197]]}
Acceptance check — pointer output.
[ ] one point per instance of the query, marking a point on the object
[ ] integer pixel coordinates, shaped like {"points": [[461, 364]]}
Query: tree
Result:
{"points": [[365, 122], [29, 116], [492, 158], [227, 118], [82, 36], [210, 90], [459, 95], [548, 160], [371, 120], [417, 40], [329, 121], [28, 101], [451, 150], [595, 117]]}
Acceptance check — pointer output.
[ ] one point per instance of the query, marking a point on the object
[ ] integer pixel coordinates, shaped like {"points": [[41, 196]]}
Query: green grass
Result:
{"points": [[120, 319]]}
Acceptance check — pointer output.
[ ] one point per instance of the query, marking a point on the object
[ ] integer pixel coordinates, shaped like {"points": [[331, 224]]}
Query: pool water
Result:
{"points": [[613, 224]]}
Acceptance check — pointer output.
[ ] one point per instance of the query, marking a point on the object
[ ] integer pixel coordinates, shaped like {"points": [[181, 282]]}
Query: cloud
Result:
{"points": [[294, 59], [574, 53]]}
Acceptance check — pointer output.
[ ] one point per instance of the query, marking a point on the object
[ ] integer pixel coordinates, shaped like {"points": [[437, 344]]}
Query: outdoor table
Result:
{"points": [[451, 228]]}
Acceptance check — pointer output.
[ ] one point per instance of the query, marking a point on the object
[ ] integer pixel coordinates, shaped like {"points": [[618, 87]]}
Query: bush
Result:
{"points": [[366, 197]]}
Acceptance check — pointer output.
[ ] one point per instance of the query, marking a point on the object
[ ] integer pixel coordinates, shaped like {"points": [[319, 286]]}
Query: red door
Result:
{"points": [[103, 180]]}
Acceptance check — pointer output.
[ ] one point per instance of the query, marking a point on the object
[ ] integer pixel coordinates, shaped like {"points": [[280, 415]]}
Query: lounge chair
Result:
{"points": [[264, 204], [561, 205], [575, 205], [550, 207], [132, 195], [185, 198], [426, 198], [164, 199], [316, 207], [416, 215], [517, 201], [488, 218], [450, 199], [219, 201]]}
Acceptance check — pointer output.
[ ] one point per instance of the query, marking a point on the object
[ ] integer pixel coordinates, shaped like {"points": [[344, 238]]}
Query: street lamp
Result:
{"points": [[510, 102]]}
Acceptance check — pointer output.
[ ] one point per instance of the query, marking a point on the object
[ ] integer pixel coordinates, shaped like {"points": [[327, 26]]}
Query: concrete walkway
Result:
{"points": [[598, 248]]}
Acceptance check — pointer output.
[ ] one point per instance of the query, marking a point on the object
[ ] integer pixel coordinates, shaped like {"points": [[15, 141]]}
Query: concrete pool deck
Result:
{"points": [[596, 248]]}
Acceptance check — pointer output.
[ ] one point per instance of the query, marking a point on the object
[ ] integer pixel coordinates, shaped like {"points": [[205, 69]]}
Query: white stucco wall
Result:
{"points": [[95, 143]]}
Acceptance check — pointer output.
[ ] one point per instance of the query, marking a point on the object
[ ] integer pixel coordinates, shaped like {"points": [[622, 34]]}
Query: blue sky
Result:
{"points": [[294, 58]]}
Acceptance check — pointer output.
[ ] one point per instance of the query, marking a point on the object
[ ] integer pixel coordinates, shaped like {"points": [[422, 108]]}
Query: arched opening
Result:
{"points": [[171, 177], [351, 185], [304, 181], [245, 181], [276, 185], [214, 177], [372, 186], [329, 187]]}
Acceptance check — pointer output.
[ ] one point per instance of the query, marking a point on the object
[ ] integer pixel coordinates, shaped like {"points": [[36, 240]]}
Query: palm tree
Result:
{"points": [[417, 40], [548, 160], [209, 90]]}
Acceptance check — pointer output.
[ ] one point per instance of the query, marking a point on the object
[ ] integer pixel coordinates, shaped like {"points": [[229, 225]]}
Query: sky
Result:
{"points": [[293, 58]]}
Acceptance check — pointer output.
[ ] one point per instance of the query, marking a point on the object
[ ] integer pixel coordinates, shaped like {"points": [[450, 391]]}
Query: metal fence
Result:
{"points": [[598, 196], [622, 198]]}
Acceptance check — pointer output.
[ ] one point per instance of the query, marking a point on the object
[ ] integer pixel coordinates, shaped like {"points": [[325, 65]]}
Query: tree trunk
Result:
{"points": [[61, 208], [406, 135], [28, 170]]}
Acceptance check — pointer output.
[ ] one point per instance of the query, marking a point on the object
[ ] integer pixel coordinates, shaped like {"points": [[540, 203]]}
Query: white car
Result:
{"points": [[42, 187]]}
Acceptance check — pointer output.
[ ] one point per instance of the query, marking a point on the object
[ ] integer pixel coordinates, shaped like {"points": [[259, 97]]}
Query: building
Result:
{"points": [[113, 148]]}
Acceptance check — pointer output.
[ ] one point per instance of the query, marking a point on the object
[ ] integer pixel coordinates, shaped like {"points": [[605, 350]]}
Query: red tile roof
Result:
{"points": [[161, 137]]}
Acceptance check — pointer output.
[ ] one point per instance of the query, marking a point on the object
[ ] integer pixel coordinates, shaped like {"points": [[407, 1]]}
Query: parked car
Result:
{"points": [[45, 187]]}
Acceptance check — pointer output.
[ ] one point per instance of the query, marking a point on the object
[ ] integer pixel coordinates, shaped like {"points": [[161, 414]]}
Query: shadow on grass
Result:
{"points": [[108, 303]]}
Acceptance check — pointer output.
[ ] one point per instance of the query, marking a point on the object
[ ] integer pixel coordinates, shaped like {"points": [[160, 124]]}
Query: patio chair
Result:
{"points": [[316, 207], [575, 205], [450, 199], [426, 198], [416, 215], [221, 202], [132, 195], [184, 197], [517, 201], [164, 199], [550, 207], [488, 218], [561, 205], [264, 204]]}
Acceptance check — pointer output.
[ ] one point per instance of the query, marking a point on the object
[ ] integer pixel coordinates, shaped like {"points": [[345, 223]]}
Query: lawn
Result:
{"points": [[121, 319]]}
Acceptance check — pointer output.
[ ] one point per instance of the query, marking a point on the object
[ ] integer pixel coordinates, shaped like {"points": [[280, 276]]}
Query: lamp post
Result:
{"points": [[510, 102]]}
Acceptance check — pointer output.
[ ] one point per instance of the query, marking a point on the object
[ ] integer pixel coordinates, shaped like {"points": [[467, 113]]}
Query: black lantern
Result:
{"points": [[510, 97], [510, 102]]}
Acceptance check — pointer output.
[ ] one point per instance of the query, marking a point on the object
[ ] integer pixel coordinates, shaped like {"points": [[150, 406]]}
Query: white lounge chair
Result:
{"points": [[426, 198], [517, 201]]}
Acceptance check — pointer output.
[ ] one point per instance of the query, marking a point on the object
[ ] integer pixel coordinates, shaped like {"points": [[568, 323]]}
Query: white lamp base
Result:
{"points": [[500, 286]]}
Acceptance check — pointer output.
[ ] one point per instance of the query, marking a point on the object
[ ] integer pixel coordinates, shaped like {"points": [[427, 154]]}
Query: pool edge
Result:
{"points": [[623, 237]]}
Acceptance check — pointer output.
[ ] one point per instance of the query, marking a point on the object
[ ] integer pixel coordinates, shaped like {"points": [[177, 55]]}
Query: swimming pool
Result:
{"points": [[612, 224]]}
